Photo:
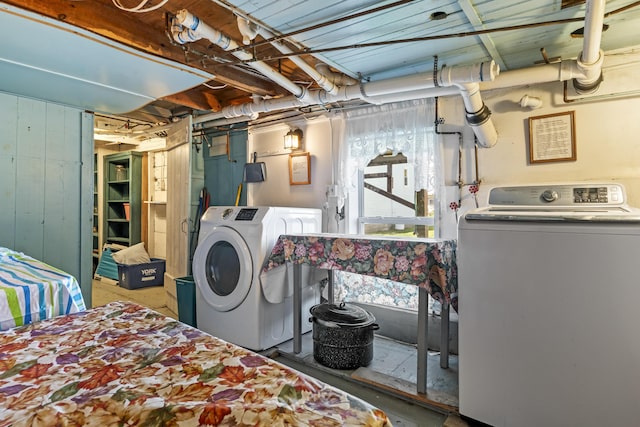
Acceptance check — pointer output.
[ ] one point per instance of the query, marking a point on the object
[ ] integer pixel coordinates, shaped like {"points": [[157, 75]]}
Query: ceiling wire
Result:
{"points": [[436, 37], [214, 87], [323, 24], [140, 7]]}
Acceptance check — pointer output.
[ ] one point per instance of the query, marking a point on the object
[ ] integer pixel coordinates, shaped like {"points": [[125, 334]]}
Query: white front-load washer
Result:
{"points": [[232, 247]]}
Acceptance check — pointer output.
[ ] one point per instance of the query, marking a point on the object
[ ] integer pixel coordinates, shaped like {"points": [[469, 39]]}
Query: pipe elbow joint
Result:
{"points": [[187, 19], [592, 75], [183, 35], [483, 127], [479, 117], [304, 95], [474, 73], [248, 30]]}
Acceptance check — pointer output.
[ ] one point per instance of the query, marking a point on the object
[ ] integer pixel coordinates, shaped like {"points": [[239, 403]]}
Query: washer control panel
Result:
{"points": [[560, 195]]}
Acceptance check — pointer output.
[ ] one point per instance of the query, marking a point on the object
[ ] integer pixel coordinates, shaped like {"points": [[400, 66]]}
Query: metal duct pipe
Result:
{"points": [[190, 29], [591, 59]]}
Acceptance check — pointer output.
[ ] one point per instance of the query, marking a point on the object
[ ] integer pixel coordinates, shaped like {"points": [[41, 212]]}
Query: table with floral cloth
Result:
{"points": [[429, 264], [31, 290], [123, 365]]}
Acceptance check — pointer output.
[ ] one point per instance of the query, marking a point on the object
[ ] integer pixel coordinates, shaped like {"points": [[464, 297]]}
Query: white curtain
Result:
{"points": [[404, 127]]}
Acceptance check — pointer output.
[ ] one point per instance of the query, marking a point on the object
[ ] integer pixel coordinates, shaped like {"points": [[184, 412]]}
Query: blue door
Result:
{"points": [[223, 173]]}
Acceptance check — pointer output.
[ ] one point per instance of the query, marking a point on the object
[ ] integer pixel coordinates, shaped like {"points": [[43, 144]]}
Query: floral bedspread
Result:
{"points": [[31, 290], [428, 263], [123, 364]]}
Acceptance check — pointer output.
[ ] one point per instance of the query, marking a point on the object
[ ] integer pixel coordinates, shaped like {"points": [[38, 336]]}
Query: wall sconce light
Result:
{"points": [[293, 139]]}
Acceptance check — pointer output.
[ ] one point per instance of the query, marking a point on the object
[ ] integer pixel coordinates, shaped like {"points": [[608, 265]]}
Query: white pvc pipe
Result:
{"points": [[591, 59], [594, 20], [322, 80], [415, 94], [478, 115], [546, 73], [484, 71], [339, 79], [219, 118], [531, 102], [465, 77], [389, 91], [248, 30], [196, 28]]}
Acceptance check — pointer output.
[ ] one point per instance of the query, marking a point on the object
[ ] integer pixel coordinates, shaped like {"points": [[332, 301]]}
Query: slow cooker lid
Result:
{"points": [[342, 314]]}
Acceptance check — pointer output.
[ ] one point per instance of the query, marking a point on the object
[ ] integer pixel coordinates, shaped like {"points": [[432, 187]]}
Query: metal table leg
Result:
{"points": [[423, 319], [297, 308], [444, 336]]}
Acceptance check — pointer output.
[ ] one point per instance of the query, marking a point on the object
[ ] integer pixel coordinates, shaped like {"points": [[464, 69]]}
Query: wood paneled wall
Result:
{"points": [[46, 184]]}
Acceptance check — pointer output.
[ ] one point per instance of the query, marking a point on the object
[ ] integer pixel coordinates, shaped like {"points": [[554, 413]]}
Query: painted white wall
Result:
{"points": [[606, 145], [276, 190]]}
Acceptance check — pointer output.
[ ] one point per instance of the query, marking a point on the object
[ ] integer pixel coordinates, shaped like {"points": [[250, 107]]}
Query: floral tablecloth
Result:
{"points": [[427, 263], [31, 290], [122, 364]]}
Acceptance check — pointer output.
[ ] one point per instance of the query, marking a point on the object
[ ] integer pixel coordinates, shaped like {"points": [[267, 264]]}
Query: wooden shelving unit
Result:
{"points": [[122, 178], [95, 231]]}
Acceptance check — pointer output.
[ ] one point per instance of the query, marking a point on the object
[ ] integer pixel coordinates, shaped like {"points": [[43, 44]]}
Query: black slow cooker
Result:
{"points": [[342, 335]]}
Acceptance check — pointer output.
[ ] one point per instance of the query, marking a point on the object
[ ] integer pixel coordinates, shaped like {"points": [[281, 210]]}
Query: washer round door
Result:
{"points": [[223, 268]]}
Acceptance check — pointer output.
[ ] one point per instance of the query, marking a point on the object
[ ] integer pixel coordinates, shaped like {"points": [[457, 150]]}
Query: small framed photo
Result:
{"points": [[552, 138], [299, 169]]}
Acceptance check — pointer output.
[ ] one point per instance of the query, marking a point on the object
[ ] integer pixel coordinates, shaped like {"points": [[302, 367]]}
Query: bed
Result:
{"points": [[123, 364], [31, 290]]}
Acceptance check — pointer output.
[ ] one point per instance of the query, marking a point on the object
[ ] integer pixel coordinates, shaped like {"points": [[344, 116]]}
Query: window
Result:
{"points": [[390, 204], [390, 165]]}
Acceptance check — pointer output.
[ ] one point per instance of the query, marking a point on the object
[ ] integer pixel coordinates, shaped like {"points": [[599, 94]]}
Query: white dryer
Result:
{"points": [[232, 246]]}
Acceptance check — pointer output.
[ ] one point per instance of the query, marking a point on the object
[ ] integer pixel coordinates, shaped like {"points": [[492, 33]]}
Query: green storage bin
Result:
{"points": [[186, 289]]}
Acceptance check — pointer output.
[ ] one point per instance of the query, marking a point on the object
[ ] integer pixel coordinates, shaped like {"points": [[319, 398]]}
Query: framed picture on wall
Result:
{"points": [[299, 168], [552, 138]]}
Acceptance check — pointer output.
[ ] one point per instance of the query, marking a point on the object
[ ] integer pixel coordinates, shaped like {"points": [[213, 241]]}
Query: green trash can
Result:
{"points": [[186, 289]]}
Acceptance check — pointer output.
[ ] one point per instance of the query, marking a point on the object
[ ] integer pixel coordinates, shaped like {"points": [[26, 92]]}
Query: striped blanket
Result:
{"points": [[31, 290]]}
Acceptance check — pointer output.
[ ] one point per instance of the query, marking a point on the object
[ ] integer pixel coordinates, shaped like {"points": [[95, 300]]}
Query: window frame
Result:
{"points": [[362, 219]]}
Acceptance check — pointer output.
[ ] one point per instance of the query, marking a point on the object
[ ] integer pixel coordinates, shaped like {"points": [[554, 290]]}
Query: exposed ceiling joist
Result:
{"points": [[371, 41], [474, 18], [196, 99], [98, 17]]}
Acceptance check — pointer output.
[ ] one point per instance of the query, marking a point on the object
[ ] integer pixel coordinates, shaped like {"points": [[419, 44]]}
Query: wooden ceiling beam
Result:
{"points": [[196, 99]]}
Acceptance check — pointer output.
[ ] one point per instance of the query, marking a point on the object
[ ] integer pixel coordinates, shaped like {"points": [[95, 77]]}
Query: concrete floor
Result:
{"points": [[402, 412], [107, 290]]}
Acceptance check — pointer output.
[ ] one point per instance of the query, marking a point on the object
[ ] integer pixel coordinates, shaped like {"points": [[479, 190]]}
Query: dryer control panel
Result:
{"points": [[243, 214], [246, 214]]}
